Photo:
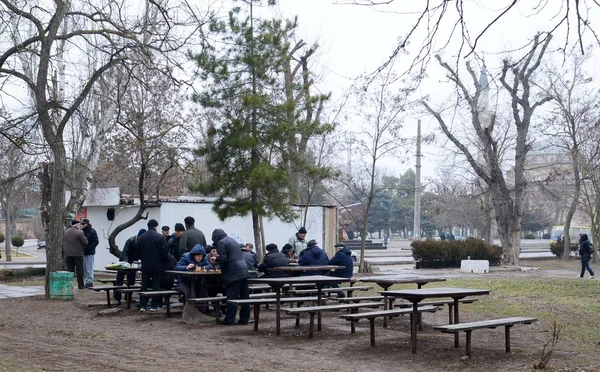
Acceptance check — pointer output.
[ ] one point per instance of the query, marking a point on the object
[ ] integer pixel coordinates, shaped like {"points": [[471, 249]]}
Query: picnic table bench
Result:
{"points": [[312, 310], [256, 302], [449, 302], [128, 292], [349, 290], [356, 299], [166, 294], [353, 318], [470, 326], [108, 281], [107, 289]]}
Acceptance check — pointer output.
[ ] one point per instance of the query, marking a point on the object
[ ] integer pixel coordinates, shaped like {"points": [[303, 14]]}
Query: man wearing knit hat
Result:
{"points": [[298, 241], [74, 242], [155, 257], [173, 243], [129, 254]]}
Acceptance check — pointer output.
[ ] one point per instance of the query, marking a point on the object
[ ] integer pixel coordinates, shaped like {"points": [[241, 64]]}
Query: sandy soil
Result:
{"points": [[38, 334]]}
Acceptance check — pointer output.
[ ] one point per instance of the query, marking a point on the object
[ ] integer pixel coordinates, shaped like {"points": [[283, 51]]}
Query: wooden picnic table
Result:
{"points": [[277, 283], [417, 295], [386, 281], [299, 270]]}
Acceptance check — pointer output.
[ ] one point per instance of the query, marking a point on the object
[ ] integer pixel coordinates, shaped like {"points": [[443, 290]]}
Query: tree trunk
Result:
{"points": [[11, 227], [56, 215], [574, 203]]}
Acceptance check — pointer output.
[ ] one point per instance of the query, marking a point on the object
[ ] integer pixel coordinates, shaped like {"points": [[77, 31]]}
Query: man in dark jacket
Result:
{"points": [[173, 243], [155, 257], [343, 257], [273, 258], [74, 242], [249, 257], [189, 262], [313, 255], [89, 251], [165, 232], [235, 275], [129, 254], [585, 252], [190, 237]]}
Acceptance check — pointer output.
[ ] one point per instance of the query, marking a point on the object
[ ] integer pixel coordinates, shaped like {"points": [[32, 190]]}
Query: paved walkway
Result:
{"points": [[12, 291]]}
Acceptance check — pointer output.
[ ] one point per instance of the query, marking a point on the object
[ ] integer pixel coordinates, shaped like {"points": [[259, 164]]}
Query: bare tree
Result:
{"points": [[575, 102], [507, 201], [56, 33]]}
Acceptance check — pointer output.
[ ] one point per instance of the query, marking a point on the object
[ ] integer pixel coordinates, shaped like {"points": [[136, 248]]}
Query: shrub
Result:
{"points": [[557, 248], [438, 254], [17, 241], [1, 238], [529, 236], [546, 236]]}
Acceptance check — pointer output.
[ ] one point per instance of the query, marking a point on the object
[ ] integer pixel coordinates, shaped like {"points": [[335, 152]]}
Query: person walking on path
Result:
{"points": [[89, 251], [585, 252], [235, 275], [73, 245], [190, 237]]}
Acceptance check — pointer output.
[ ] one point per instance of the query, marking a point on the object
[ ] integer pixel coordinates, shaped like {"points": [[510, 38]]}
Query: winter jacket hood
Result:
{"points": [[232, 262], [217, 235], [343, 258], [313, 256]]}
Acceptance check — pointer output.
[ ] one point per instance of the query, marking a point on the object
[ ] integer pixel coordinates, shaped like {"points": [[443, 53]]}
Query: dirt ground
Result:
{"points": [[38, 334]]}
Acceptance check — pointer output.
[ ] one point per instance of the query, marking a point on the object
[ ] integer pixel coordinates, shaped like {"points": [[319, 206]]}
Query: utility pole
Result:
{"points": [[417, 217]]}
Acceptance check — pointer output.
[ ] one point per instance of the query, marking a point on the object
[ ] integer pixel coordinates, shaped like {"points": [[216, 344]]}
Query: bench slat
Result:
{"points": [[358, 298], [158, 293], [265, 301], [453, 328], [329, 290], [376, 314], [307, 309]]}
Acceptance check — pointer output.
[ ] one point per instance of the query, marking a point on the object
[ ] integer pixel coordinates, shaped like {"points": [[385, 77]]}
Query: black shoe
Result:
{"points": [[227, 324], [242, 323]]}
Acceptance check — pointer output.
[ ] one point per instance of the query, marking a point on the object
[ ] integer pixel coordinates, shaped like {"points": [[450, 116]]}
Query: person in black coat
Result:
{"points": [[235, 274], [273, 258], [313, 256], [585, 252], [155, 258], [89, 251], [129, 254], [343, 257]]}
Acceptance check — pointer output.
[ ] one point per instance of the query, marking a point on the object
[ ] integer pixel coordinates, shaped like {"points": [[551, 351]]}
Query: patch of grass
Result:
{"points": [[82, 335], [16, 254], [10, 364], [26, 283]]}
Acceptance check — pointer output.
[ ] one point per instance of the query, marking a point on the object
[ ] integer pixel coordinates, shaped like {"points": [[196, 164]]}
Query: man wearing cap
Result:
{"points": [[89, 251], [129, 254], [155, 257], [165, 232], [191, 236], [343, 257], [173, 243], [298, 241], [74, 243], [272, 259], [313, 255]]}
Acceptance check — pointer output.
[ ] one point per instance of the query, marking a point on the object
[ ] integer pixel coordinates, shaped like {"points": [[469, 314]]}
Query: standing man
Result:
{"points": [[89, 251], [155, 257], [235, 275], [165, 233], [298, 241], [190, 237], [73, 245], [129, 254], [173, 243]]}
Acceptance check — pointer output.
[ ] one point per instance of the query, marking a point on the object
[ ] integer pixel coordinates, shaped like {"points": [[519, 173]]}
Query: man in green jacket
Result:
{"points": [[190, 237]]}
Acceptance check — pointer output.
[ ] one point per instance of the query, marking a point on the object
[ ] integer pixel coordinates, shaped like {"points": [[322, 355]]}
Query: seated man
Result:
{"points": [[289, 253], [343, 257], [313, 255], [188, 262], [273, 258]]}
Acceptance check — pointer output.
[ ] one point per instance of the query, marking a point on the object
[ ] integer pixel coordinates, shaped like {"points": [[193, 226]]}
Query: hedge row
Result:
{"points": [[557, 248], [439, 254]]}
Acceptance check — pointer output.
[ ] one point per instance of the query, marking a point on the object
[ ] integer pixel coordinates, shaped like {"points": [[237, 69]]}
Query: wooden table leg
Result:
{"points": [[456, 321], [372, 325], [277, 310], [468, 343], [256, 315], [319, 294], [507, 337], [108, 297], [312, 325], [413, 326], [387, 303]]}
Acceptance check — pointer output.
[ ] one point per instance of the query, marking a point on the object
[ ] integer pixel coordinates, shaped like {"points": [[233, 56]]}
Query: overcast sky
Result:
{"points": [[355, 40]]}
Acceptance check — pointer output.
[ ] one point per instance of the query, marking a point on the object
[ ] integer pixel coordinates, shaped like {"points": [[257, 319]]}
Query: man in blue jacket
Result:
{"points": [[155, 258], [235, 275], [343, 257], [188, 262], [313, 255]]}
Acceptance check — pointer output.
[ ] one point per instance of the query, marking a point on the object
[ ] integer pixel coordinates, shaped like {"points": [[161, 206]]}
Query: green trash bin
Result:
{"points": [[61, 285]]}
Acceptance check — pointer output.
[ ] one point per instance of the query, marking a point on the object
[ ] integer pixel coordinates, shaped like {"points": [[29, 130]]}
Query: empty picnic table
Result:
{"points": [[277, 283], [417, 295], [386, 281]]}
